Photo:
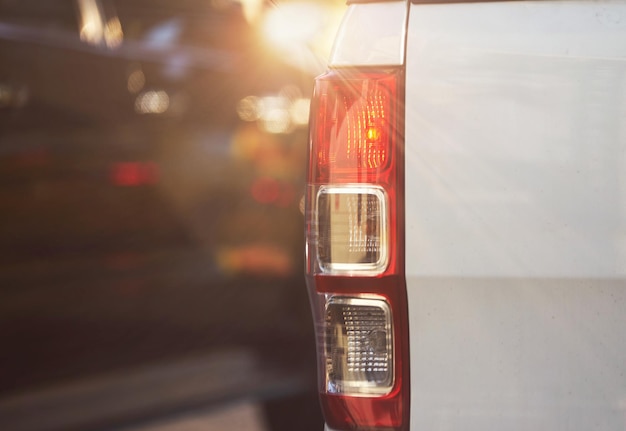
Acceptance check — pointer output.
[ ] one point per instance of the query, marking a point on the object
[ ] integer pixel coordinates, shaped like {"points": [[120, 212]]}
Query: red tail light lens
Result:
{"points": [[354, 127], [355, 271]]}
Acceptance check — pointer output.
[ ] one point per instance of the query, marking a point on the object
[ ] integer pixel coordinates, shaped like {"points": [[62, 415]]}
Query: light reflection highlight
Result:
{"points": [[152, 102], [136, 81], [113, 35], [276, 114], [248, 108], [95, 28], [293, 24], [299, 111], [302, 32]]}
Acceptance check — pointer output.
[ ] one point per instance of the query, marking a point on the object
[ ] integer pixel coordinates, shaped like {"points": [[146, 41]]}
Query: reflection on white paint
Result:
{"points": [[371, 34], [520, 164], [516, 214]]}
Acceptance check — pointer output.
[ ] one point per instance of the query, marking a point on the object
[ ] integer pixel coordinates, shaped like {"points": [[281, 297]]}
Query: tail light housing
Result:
{"points": [[354, 247]]}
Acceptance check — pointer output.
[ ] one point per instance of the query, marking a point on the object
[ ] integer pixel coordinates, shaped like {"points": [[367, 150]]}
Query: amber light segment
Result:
{"points": [[362, 110], [373, 134]]}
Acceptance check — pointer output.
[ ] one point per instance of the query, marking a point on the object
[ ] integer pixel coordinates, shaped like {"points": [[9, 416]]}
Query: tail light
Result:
{"points": [[355, 268], [133, 174]]}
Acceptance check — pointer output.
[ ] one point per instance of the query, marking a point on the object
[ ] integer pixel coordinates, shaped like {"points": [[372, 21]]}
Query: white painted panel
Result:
{"points": [[516, 215], [515, 355], [516, 139], [371, 34]]}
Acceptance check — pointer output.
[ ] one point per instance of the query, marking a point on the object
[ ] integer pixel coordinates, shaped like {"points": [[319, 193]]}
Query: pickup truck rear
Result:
{"points": [[466, 216]]}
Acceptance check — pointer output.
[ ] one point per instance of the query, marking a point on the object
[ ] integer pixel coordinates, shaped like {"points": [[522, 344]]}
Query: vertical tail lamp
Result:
{"points": [[354, 271]]}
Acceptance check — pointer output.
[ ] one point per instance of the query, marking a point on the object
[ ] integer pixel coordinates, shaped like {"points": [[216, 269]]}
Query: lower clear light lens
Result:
{"points": [[358, 346], [352, 230]]}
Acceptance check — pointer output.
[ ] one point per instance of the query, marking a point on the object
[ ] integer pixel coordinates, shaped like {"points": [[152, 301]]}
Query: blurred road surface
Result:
{"points": [[243, 416]]}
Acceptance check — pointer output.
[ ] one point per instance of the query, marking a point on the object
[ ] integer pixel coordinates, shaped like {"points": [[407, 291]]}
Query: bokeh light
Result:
{"points": [[152, 102]]}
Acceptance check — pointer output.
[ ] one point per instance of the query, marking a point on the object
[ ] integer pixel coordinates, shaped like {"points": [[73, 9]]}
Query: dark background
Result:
{"points": [[151, 240]]}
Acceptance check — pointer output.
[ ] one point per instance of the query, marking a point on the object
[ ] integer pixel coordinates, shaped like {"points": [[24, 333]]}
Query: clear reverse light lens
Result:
{"points": [[352, 229], [358, 346]]}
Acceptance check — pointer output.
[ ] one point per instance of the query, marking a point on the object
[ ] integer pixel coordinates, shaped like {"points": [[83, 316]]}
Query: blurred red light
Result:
{"points": [[265, 190], [270, 191], [132, 174]]}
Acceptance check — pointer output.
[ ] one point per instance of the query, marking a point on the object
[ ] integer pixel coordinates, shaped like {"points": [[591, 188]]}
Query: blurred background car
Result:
{"points": [[151, 171]]}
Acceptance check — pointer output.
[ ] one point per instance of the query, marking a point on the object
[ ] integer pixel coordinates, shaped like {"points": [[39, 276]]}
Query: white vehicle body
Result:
{"points": [[514, 207]]}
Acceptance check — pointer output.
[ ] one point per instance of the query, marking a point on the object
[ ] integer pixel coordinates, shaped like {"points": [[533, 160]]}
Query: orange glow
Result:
{"points": [[373, 134], [256, 259]]}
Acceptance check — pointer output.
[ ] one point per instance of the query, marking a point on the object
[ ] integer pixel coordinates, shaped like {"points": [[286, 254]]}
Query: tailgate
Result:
{"points": [[516, 215]]}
